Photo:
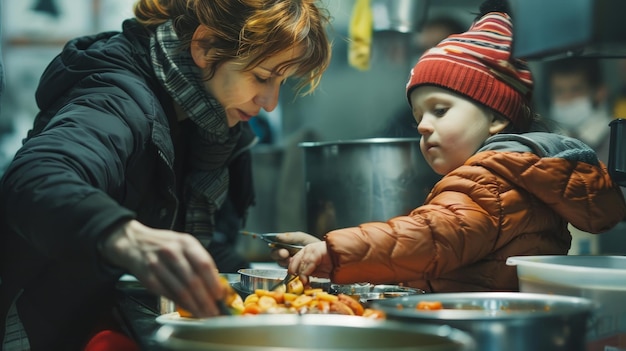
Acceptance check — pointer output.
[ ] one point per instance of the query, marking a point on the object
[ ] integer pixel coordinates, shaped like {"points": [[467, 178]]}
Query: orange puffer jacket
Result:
{"points": [[515, 196]]}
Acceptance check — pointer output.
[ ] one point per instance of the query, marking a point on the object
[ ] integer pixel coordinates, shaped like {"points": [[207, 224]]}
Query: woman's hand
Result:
{"points": [[168, 263], [280, 255], [312, 260]]}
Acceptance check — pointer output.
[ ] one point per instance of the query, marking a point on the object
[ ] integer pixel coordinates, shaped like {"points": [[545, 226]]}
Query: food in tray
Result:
{"points": [[429, 305], [233, 301], [311, 301], [294, 298]]}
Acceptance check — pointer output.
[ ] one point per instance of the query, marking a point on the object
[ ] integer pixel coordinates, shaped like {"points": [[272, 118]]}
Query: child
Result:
{"points": [[504, 191]]}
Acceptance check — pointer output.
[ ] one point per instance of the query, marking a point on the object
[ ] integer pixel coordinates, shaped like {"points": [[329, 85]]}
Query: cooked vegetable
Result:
{"points": [[429, 305], [232, 300]]}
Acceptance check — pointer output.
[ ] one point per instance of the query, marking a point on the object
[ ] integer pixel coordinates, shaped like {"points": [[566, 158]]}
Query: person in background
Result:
{"points": [[579, 107], [579, 101], [436, 29], [137, 145], [507, 189]]}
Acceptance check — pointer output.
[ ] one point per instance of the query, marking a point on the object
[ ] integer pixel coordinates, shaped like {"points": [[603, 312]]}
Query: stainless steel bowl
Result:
{"points": [[367, 293], [503, 321], [354, 290], [252, 279], [380, 292], [308, 333]]}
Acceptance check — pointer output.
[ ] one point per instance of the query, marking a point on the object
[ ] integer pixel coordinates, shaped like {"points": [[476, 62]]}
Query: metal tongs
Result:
{"points": [[270, 239], [288, 278]]}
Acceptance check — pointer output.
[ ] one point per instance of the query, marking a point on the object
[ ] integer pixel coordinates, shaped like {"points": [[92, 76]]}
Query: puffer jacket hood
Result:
{"points": [[514, 197], [565, 174]]}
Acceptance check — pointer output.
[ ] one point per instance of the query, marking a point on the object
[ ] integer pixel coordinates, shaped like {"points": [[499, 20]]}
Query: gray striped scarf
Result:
{"points": [[211, 143]]}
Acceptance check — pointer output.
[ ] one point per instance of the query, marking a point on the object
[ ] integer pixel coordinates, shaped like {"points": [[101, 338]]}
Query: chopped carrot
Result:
{"points": [[252, 308], [429, 305]]}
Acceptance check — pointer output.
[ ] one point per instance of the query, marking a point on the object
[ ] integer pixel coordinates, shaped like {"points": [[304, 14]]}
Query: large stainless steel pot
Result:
{"points": [[309, 332], [351, 182], [503, 321]]}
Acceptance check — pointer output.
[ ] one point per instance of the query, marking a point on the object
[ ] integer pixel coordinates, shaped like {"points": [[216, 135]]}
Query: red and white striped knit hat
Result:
{"points": [[478, 64]]}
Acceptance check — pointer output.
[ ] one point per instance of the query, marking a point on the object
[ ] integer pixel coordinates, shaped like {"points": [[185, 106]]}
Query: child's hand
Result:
{"points": [[313, 260], [281, 255]]}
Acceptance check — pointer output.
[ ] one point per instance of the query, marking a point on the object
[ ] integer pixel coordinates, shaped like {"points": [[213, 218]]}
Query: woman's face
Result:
{"points": [[452, 127], [244, 93]]}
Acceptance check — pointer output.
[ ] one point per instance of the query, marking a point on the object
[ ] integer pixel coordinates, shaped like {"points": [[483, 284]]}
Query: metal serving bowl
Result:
{"points": [[381, 292], [252, 279], [503, 321], [309, 333], [367, 293]]}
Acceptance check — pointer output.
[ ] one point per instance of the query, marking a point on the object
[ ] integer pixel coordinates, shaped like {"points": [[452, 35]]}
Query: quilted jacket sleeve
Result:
{"points": [[458, 225]]}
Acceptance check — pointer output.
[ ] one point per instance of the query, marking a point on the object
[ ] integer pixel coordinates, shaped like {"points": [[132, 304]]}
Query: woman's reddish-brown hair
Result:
{"points": [[250, 30]]}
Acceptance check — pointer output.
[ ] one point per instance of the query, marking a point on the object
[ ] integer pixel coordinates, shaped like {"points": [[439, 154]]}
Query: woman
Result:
{"points": [[141, 137], [505, 191]]}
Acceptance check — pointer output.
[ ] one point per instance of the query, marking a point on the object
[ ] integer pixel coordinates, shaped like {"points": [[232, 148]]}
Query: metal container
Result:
{"points": [[503, 321], [601, 279], [309, 332], [368, 293], [165, 305], [352, 182], [354, 290], [380, 292], [252, 279]]}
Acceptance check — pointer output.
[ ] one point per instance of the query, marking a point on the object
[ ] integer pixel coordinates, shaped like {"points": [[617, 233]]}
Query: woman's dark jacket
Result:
{"points": [[102, 151]]}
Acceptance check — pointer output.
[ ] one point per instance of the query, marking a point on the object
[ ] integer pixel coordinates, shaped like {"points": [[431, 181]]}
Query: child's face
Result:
{"points": [[452, 127]]}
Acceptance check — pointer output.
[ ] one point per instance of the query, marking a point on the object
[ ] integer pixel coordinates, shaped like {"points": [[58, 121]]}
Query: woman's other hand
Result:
{"points": [[281, 255], [167, 263], [312, 260]]}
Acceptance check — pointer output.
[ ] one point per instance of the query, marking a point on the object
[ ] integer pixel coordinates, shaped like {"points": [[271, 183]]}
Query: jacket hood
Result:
{"points": [[543, 145], [89, 56], [562, 172]]}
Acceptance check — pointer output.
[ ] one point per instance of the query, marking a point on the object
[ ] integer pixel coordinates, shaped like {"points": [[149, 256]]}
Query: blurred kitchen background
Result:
{"points": [[349, 104]]}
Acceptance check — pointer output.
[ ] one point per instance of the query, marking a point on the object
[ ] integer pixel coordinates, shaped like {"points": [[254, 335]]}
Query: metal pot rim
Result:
{"points": [[558, 305], [165, 335], [358, 142]]}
